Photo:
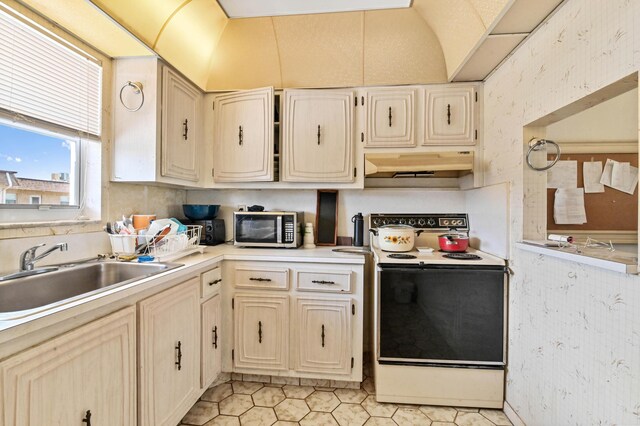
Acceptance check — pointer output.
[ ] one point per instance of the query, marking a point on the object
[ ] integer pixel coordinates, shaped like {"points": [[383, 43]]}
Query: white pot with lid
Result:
{"points": [[396, 238]]}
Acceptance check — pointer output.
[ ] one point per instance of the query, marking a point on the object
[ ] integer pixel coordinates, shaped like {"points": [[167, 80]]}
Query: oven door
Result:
{"points": [[258, 229], [451, 315]]}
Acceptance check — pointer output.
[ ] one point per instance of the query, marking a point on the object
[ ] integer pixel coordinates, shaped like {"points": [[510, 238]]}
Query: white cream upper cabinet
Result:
{"points": [[169, 354], [211, 340], [86, 376], [260, 331], [318, 136], [243, 141], [322, 329], [182, 104], [450, 115], [390, 117]]}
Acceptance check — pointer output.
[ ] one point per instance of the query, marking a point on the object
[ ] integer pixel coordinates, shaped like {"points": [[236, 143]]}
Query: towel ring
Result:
{"points": [[137, 86], [538, 145]]}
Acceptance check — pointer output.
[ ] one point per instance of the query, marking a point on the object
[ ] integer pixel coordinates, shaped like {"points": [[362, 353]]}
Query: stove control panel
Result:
{"points": [[428, 222]]}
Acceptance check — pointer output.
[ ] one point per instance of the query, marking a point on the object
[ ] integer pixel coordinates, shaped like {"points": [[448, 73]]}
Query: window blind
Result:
{"points": [[44, 79]]}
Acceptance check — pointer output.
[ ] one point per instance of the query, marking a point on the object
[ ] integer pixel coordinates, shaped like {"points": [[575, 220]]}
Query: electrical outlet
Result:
{"points": [[242, 207]]}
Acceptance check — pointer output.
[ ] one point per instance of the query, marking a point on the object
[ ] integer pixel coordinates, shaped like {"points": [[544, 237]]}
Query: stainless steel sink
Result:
{"points": [[21, 296]]}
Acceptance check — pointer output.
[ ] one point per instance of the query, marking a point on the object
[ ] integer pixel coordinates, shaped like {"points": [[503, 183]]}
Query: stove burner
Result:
{"points": [[401, 256], [462, 256]]}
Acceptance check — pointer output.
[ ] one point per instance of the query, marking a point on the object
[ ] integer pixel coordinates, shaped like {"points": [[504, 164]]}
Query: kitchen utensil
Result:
{"points": [[156, 238], [200, 211], [396, 238], [453, 242], [358, 230]]}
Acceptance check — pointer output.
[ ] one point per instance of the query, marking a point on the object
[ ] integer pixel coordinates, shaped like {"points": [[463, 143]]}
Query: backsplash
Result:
{"points": [[574, 332]]}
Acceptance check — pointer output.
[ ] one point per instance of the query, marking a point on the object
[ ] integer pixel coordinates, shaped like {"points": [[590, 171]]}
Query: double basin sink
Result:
{"points": [[35, 292]]}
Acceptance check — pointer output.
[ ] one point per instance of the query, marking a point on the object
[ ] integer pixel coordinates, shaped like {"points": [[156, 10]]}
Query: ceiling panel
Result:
{"points": [[488, 56], [257, 8]]}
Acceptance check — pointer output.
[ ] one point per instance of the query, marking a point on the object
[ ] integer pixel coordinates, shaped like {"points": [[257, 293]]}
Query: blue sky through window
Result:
{"points": [[33, 155]]}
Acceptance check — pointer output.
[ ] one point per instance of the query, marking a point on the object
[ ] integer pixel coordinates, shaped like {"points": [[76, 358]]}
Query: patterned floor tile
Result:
{"points": [[200, 413], [218, 393], [246, 388], [410, 417], [351, 395], [298, 392], [380, 421], [472, 419], [268, 397], [497, 417], [322, 401], [315, 418], [292, 410], [350, 415], [378, 409], [439, 414], [443, 424], [258, 416], [285, 423], [369, 386], [235, 405], [224, 421]]}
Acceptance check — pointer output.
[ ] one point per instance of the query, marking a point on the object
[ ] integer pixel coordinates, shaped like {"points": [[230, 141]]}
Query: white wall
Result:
{"points": [[574, 330], [350, 202]]}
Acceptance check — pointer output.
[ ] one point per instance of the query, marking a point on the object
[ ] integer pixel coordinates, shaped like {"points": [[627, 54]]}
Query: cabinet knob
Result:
{"points": [[87, 418], [449, 114]]}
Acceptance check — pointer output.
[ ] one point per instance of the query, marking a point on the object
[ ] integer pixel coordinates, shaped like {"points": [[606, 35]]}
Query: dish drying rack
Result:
{"points": [[162, 248]]}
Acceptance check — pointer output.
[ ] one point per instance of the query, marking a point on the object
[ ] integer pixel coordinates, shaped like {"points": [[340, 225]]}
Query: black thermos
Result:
{"points": [[358, 230]]}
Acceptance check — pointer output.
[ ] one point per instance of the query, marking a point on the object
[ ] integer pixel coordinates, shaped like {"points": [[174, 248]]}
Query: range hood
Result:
{"points": [[452, 164]]}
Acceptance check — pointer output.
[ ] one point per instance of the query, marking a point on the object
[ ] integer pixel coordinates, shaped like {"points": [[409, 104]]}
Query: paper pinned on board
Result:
{"points": [[568, 207], [620, 176], [564, 174], [591, 174]]}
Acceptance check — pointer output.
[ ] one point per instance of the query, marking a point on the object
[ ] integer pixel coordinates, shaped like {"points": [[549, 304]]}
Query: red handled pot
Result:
{"points": [[453, 242]]}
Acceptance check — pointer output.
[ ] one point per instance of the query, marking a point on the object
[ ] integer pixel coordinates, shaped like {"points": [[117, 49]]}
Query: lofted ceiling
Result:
{"points": [[431, 41]]}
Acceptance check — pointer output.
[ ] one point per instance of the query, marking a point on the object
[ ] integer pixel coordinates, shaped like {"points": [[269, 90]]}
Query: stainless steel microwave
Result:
{"points": [[268, 229]]}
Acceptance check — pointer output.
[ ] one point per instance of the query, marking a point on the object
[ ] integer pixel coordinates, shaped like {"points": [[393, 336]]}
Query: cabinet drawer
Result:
{"points": [[211, 281], [262, 277], [334, 282]]}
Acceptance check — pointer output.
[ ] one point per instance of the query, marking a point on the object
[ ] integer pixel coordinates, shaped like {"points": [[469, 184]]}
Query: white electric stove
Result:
{"points": [[439, 322]]}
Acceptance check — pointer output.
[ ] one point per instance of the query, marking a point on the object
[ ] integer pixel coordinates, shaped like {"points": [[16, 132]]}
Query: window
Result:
{"points": [[50, 120]]}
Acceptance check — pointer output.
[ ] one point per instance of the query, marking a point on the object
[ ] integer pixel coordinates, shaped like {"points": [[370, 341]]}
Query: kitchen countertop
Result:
{"points": [[112, 298]]}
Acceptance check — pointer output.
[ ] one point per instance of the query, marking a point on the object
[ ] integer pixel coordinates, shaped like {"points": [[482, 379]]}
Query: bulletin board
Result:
{"points": [[611, 210]]}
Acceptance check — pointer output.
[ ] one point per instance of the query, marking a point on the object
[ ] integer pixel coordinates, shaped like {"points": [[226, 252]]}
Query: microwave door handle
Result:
{"points": [[279, 229]]}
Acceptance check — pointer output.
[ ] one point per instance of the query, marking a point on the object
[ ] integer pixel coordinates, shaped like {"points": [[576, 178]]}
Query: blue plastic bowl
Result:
{"points": [[200, 211]]}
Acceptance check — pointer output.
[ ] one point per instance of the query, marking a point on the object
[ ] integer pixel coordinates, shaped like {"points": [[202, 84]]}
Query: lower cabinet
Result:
{"points": [[323, 338], [169, 354], [84, 377], [211, 341], [261, 330]]}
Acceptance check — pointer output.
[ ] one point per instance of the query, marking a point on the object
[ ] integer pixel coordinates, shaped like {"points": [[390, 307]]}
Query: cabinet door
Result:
{"points": [[88, 371], [318, 136], [211, 339], [243, 128], [450, 115], [261, 332], [180, 127], [390, 115], [169, 354], [323, 331]]}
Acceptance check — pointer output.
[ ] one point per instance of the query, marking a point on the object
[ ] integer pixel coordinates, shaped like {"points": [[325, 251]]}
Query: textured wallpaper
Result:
{"points": [[574, 332]]}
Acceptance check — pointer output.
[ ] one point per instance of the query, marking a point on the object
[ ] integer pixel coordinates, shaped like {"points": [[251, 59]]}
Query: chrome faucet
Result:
{"points": [[29, 258]]}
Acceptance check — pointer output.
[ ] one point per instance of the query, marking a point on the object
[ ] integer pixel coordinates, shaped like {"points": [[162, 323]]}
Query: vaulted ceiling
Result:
{"points": [[428, 42]]}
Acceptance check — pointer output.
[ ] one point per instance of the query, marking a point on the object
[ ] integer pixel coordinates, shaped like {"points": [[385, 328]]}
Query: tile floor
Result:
{"points": [[253, 403]]}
